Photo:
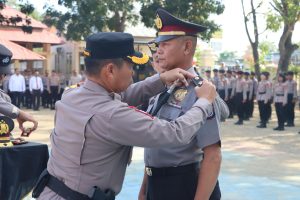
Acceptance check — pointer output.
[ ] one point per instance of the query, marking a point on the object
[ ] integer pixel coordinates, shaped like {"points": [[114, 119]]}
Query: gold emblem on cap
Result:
{"points": [[4, 128], [86, 53], [139, 60], [180, 94], [158, 22]]}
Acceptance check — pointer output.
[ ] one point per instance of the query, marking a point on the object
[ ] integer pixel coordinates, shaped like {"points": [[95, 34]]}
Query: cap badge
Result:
{"points": [[180, 94], [4, 128], [5, 60], [158, 22]]}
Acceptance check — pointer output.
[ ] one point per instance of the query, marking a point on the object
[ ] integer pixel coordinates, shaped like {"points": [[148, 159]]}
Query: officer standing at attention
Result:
{"points": [[254, 91], [240, 97], [215, 79], [95, 129], [6, 108], [292, 98], [249, 89], [231, 85], [222, 85], [280, 100], [262, 98], [189, 171]]}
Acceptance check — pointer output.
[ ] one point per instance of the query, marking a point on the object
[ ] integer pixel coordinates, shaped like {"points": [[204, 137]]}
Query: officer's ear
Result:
{"points": [[188, 47], [109, 70]]}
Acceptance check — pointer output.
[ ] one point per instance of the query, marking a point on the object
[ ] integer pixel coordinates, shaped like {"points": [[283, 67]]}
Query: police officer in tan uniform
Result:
{"points": [[254, 91], [280, 100], [96, 124], [222, 85], [168, 170], [249, 89], [292, 98], [6, 108], [231, 85], [240, 96], [263, 97]]}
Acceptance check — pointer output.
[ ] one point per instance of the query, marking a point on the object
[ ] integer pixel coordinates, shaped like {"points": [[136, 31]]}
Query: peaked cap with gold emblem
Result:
{"points": [[170, 27], [110, 45]]}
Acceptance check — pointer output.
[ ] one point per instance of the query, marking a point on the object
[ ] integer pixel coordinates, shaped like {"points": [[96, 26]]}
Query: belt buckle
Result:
{"points": [[148, 171]]}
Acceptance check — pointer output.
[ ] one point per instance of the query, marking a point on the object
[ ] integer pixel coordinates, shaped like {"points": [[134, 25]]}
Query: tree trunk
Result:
{"points": [[256, 59], [286, 48]]}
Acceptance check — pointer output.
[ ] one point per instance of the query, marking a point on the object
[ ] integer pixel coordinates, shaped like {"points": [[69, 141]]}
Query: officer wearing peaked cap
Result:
{"points": [[96, 124], [6, 108], [185, 171]]}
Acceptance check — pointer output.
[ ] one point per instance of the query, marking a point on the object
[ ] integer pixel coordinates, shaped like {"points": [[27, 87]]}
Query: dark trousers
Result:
{"points": [[230, 103], [222, 94], [290, 109], [240, 105], [263, 111], [181, 186], [269, 110], [28, 99], [36, 95], [54, 95], [17, 98], [46, 99], [280, 114], [251, 106], [247, 107]]}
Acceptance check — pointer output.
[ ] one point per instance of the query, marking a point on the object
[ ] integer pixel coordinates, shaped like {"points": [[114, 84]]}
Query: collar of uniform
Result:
{"points": [[192, 70], [91, 85]]}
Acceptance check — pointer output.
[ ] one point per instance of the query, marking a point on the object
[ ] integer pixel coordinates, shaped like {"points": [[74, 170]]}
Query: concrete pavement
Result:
{"points": [[258, 164]]}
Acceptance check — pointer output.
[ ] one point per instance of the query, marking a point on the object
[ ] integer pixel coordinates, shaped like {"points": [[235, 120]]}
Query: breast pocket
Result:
{"points": [[169, 112]]}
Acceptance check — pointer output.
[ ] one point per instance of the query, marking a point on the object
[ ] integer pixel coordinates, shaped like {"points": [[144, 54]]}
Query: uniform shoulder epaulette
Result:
{"points": [[69, 88]]}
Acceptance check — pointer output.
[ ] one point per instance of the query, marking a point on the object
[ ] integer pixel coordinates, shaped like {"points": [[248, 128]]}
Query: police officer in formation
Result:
{"points": [[263, 97], [6, 108], [96, 124], [292, 98], [169, 170], [240, 90], [254, 91], [231, 81], [280, 94]]}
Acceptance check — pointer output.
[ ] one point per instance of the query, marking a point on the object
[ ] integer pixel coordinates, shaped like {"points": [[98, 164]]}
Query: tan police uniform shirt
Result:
{"points": [[95, 131], [292, 88], [241, 87], [263, 91], [231, 85], [280, 93], [6, 108]]}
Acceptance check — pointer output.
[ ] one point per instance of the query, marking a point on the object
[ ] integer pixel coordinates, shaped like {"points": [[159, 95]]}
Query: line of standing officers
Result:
{"points": [[239, 90]]}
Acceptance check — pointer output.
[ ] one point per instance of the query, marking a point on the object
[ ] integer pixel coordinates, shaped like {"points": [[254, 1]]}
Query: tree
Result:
{"points": [[85, 17], [26, 8], [252, 16], [265, 48], [196, 11], [286, 12], [227, 56]]}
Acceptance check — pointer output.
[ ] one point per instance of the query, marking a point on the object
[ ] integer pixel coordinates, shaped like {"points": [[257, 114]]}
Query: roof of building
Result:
{"points": [[19, 52]]}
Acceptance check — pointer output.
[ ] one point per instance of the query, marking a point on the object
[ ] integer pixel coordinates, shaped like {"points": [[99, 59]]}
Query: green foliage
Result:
{"points": [[197, 11], [227, 56], [85, 17], [287, 11], [265, 48]]}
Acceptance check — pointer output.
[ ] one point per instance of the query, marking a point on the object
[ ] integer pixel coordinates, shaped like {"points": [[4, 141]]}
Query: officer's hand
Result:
{"points": [[168, 77], [207, 91], [23, 117]]}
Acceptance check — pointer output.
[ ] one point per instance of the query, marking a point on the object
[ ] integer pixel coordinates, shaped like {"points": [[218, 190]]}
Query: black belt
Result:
{"points": [[169, 171], [280, 95], [64, 191], [262, 93]]}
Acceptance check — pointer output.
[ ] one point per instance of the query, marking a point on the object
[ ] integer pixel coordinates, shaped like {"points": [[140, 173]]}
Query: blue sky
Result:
{"points": [[231, 21]]}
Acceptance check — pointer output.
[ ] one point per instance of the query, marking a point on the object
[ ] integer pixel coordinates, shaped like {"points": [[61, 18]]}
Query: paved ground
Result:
{"points": [[258, 164]]}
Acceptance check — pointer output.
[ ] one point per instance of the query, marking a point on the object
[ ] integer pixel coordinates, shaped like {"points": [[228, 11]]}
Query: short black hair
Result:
{"points": [[94, 66]]}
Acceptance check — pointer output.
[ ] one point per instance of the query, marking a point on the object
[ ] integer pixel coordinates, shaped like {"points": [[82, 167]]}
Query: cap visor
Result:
{"points": [[162, 38], [138, 58], [5, 70]]}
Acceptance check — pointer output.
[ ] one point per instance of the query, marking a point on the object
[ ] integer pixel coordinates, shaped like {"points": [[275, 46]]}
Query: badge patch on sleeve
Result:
{"points": [[140, 111]]}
